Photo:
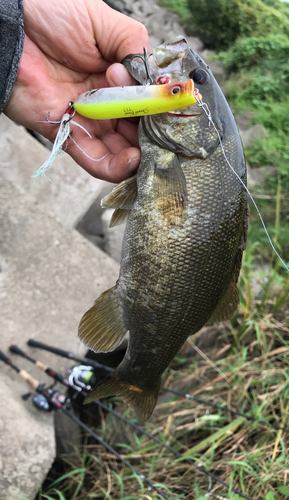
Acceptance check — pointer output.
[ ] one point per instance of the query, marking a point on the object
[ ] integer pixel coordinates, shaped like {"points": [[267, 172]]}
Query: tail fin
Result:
{"points": [[142, 402]]}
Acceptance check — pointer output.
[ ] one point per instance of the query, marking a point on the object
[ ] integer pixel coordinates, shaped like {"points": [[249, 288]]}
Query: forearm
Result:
{"points": [[11, 45]]}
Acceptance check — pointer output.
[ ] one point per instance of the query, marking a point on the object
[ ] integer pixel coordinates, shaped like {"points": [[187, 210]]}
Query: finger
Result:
{"points": [[113, 168], [129, 131], [118, 35], [122, 159], [118, 76]]}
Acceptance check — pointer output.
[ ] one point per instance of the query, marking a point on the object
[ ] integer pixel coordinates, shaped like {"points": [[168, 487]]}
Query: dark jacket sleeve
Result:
{"points": [[11, 45]]}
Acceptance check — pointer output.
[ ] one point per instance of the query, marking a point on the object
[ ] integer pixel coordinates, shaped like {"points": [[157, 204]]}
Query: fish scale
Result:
{"points": [[184, 237]]}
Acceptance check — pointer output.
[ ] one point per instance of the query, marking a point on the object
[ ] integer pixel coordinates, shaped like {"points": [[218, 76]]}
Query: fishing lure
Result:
{"points": [[126, 102], [119, 102], [63, 134]]}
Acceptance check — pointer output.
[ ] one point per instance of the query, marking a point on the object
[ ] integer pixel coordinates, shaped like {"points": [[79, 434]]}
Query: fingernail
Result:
{"points": [[117, 75], [132, 164]]}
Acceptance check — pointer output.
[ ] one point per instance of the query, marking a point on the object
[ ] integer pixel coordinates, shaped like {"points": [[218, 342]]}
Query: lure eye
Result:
{"points": [[199, 76], [176, 90]]}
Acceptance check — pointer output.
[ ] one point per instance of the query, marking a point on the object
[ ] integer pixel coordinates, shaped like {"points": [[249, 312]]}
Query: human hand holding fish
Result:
{"points": [[70, 48]]}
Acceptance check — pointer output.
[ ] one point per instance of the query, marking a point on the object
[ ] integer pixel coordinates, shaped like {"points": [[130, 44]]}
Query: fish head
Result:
{"points": [[188, 130]]}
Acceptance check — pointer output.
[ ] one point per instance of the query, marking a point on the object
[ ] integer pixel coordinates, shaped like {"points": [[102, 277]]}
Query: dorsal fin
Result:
{"points": [[170, 189]]}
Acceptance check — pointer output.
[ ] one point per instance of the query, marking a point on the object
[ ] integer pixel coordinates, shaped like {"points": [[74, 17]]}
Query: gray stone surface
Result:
{"points": [[161, 24], [71, 190], [256, 176], [252, 135], [26, 440], [244, 119], [50, 275], [217, 67]]}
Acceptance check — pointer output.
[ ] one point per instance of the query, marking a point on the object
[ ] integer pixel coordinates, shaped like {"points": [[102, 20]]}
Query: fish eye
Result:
{"points": [[176, 90], [199, 76]]}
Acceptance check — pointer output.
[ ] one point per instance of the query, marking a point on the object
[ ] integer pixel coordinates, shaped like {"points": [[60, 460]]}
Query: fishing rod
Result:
{"points": [[224, 409], [83, 392], [58, 401], [69, 355], [56, 376]]}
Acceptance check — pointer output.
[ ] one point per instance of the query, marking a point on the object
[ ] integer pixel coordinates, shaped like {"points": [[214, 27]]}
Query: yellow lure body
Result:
{"points": [[126, 102]]}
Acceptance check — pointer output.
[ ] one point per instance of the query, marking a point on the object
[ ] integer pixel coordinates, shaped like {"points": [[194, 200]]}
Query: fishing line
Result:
{"points": [[225, 409], [209, 474], [209, 361], [56, 376], [67, 354], [206, 109], [93, 159], [63, 134], [115, 453]]}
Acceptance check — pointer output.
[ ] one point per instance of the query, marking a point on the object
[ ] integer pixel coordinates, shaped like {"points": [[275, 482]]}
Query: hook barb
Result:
{"points": [[144, 59]]}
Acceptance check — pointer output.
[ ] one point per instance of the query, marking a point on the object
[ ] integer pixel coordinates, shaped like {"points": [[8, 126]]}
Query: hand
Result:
{"points": [[71, 47]]}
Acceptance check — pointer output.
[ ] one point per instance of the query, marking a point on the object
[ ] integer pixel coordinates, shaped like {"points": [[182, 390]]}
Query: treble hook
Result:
{"points": [[144, 59], [70, 111]]}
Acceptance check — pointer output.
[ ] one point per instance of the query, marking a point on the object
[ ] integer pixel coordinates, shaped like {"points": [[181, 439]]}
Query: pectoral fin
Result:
{"points": [[142, 402], [122, 198], [170, 189], [102, 327], [119, 216]]}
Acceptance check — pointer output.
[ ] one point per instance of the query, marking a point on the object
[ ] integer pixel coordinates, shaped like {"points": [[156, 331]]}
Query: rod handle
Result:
{"points": [[29, 380], [4, 358], [8, 361], [55, 350], [17, 350]]}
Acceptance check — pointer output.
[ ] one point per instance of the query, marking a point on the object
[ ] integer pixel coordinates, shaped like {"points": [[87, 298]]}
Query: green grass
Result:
{"points": [[258, 79], [248, 370]]}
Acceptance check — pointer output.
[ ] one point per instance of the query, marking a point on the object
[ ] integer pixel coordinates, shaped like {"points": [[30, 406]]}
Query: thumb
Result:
{"points": [[117, 35], [118, 76]]}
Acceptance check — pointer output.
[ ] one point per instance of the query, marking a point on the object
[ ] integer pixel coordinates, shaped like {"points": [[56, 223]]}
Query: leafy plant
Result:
{"points": [[221, 22], [268, 52]]}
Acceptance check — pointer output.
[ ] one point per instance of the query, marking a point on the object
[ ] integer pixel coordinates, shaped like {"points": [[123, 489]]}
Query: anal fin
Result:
{"points": [[227, 306], [142, 402], [102, 327]]}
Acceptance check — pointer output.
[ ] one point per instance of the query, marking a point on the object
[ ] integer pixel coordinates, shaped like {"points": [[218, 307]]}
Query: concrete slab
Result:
{"points": [[71, 190], [49, 277]]}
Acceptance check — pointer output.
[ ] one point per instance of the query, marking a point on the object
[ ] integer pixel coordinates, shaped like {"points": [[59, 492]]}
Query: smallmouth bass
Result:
{"points": [[184, 238]]}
